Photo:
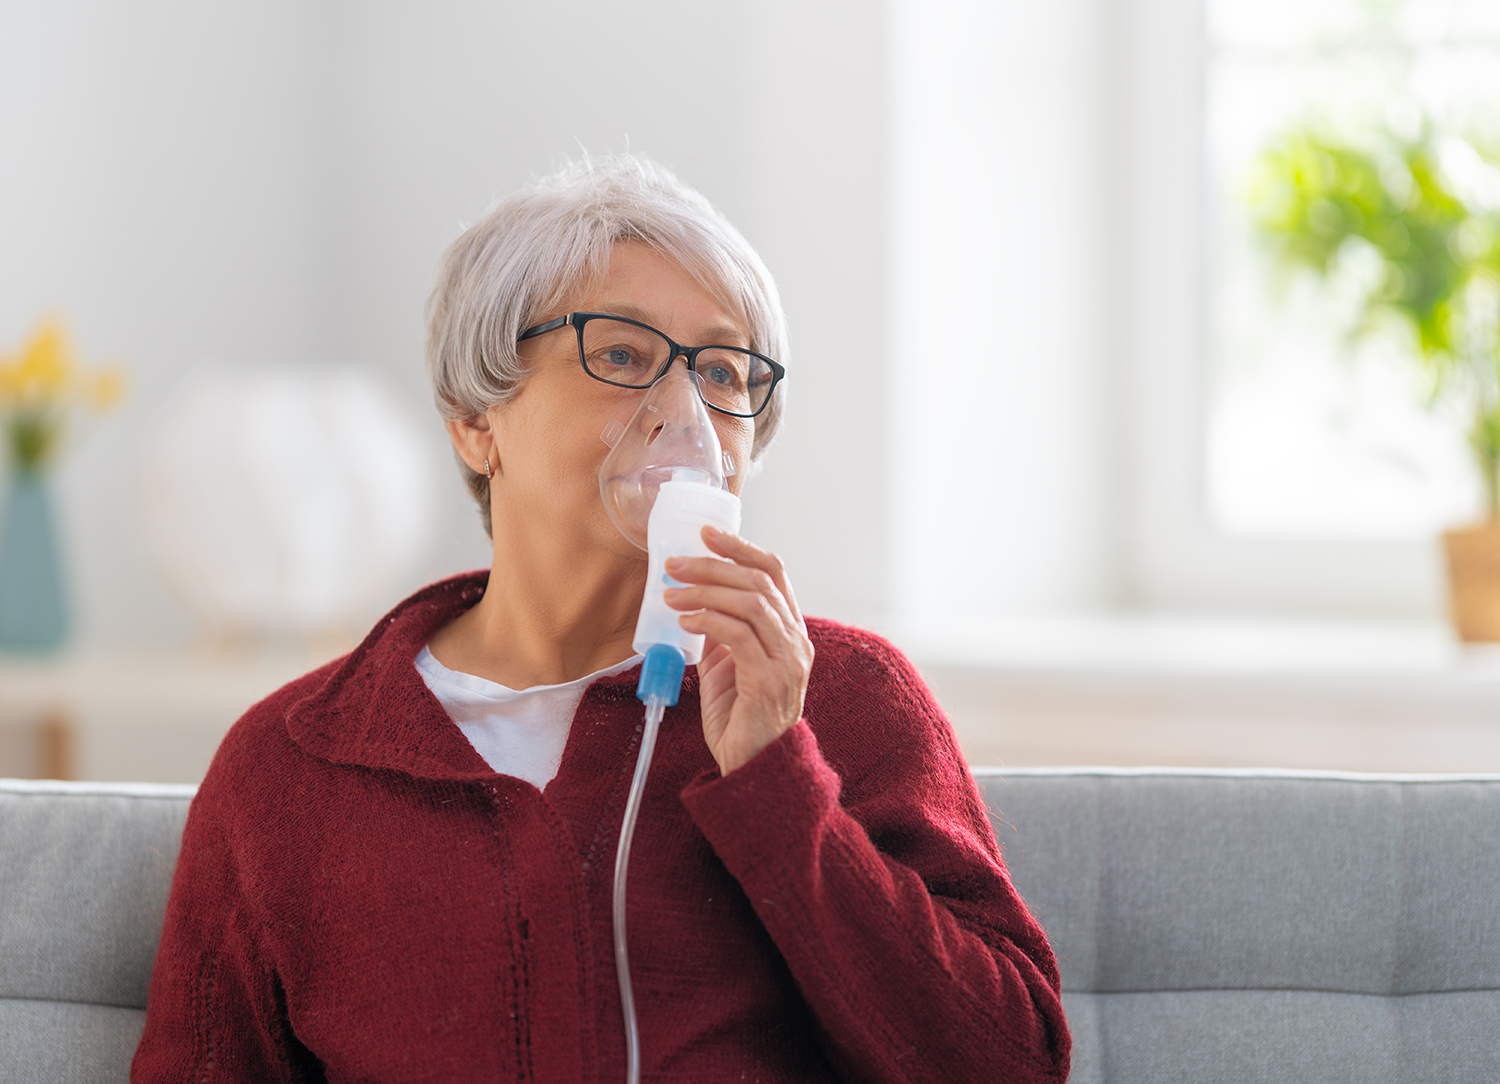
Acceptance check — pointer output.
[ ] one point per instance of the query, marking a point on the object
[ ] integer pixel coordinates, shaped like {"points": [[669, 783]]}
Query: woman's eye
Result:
{"points": [[619, 357], [726, 376]]}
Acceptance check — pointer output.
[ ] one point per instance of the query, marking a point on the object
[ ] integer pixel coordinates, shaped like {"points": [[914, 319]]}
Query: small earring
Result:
{"points": [[487, 473]]}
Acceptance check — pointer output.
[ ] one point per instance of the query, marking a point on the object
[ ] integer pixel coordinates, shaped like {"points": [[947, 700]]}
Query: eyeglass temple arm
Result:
{"points": [[542, 329]]}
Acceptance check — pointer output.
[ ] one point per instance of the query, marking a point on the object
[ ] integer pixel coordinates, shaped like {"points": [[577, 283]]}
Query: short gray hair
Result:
{"points": [[542, 242]]}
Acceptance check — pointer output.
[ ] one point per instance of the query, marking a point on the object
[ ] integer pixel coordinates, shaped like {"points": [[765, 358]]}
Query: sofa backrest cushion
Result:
{"points": [[84, 875], [1209, 925], [1264, 926]]}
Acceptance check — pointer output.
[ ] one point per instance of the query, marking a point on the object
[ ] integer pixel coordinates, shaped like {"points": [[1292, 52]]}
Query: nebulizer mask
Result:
{"points": [[662, 483]]}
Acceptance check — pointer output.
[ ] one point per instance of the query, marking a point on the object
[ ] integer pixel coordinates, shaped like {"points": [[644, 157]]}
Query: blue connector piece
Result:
{"points": [[661, 675]]}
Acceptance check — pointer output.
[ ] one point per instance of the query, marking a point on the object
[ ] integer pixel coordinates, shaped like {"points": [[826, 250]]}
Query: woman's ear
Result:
{"points": [[474, 441]]}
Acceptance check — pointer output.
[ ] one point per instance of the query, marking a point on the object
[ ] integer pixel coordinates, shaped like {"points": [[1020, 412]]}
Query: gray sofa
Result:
{"points": [[1211, 926]]}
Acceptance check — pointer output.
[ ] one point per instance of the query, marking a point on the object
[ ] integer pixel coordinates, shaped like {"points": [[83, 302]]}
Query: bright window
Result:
{"points": [[1313, 428]]}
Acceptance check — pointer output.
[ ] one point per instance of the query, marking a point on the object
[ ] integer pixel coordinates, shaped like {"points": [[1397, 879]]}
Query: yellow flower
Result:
{"points": [[45, 374], [37, 388], [47, 363], [11, 381]]}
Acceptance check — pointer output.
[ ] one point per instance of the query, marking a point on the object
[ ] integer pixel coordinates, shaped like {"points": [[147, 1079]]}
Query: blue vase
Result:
{"points": [[33, 610]]}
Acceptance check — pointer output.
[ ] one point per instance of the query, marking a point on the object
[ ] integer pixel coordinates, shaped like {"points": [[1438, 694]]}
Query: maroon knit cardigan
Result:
{"points": [[359, 897]]}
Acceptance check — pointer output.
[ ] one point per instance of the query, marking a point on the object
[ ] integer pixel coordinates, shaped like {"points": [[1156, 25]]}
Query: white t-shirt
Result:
{"points": [[518, 732]]}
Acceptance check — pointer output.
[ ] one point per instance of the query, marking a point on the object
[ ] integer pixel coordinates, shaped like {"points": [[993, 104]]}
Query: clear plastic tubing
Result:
{"points": [[622, 863], [661, 680]]}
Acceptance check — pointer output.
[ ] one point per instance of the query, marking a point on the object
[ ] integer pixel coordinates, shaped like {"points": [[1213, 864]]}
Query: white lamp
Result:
{"points": [[287, 500]]}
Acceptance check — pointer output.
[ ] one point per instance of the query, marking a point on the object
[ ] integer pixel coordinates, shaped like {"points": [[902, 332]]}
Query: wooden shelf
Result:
{"points": [[144, 717]]}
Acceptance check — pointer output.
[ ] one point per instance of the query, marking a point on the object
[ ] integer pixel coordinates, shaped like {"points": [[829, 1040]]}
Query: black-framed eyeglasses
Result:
{"points": [[630, 354]]}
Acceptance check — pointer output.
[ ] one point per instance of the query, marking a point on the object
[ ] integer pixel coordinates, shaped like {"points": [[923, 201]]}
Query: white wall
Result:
{"points": [[815, 163], [275, 181], [1002, 265]]}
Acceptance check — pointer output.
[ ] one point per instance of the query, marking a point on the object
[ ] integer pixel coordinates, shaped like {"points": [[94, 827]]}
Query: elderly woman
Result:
{"points": [[399, 866]]}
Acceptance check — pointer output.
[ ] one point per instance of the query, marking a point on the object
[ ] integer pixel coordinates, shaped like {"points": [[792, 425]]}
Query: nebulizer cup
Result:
{"points": [[662, 483]]}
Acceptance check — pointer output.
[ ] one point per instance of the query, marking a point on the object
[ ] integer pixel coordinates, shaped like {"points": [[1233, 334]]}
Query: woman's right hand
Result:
{"points": [[757, 657]]}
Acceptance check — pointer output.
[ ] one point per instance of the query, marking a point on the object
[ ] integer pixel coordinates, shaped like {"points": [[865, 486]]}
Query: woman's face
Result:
{"points": [[547, 439]]}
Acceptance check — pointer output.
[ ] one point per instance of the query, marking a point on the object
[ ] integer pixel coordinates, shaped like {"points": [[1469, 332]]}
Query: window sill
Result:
{"points": [[1204, 692]]}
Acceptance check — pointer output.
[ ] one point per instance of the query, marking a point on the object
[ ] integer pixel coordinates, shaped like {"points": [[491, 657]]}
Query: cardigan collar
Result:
{"points": [[375, 711]]}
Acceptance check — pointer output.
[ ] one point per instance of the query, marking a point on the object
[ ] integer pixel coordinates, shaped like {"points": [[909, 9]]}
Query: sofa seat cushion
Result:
{"points": [[1312, 1037], [48, 1042]]}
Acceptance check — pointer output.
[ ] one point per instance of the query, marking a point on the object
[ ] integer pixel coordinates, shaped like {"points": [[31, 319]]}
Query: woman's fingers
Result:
{"points": [[749, 555], [711, 571], [743, 640], [755, 610]]}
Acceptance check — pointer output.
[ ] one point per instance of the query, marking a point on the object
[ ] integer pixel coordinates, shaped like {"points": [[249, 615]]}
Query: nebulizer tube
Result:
{"points": [[662, 483]]}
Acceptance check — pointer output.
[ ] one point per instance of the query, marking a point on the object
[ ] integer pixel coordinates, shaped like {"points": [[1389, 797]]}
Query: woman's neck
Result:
{"points": [[549, 614]]}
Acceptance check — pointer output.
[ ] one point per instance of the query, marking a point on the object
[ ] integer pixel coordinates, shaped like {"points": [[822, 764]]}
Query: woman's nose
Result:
{"points": [[677, 369], [671, 401]]}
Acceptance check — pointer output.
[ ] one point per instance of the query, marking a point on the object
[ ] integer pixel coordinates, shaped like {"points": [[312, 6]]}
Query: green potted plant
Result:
{"points": [[1319, 200]]}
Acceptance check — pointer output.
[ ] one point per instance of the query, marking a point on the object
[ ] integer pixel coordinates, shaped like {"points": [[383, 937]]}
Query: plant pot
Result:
{"points": [[1473, 555], [33, 609]]}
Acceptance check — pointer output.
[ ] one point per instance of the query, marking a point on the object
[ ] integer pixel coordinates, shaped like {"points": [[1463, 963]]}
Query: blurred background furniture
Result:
{"points": [[1208, 925], [144, 716]]}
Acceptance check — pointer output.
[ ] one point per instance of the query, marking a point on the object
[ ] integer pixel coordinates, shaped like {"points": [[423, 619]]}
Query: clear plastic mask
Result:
{"points": [[670, 438]]}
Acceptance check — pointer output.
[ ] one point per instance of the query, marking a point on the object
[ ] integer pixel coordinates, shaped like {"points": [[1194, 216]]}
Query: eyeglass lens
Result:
{"points": [[733, 380]]}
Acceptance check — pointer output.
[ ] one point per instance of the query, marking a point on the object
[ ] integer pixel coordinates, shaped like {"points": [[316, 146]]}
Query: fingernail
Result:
{"points": [[675, 563]]}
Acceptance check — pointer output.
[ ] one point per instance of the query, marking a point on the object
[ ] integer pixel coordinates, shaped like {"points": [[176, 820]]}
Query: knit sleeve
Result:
{"points": [[860, 839], [215, 1012]]}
